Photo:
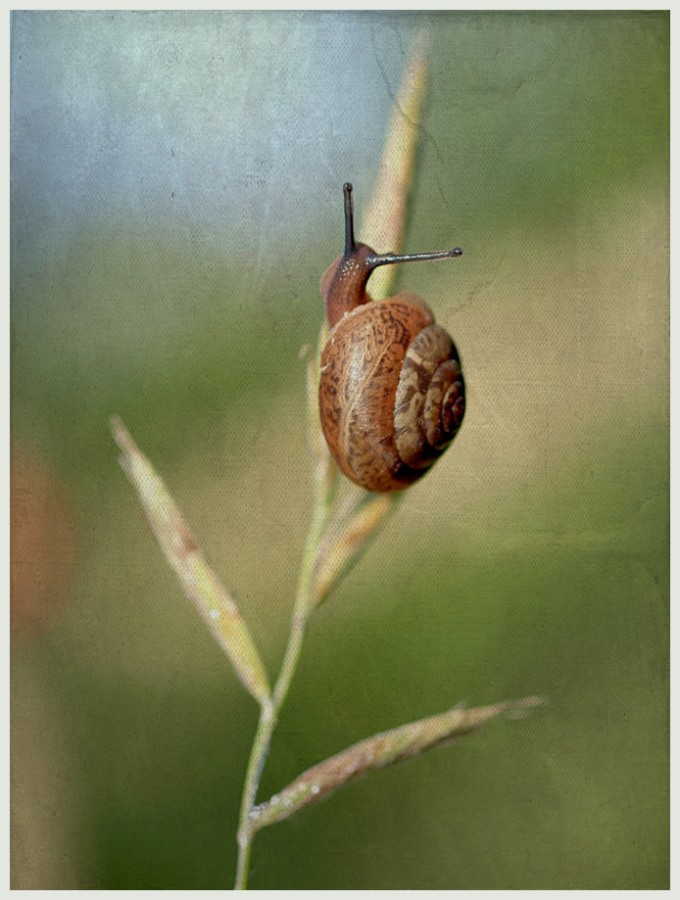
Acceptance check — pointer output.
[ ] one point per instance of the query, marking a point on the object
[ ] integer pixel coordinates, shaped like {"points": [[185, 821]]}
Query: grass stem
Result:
{"points": [[304, 603]]}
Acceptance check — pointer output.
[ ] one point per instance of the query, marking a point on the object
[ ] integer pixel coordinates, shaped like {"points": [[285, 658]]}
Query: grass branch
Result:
{"points": [[344, 519]]}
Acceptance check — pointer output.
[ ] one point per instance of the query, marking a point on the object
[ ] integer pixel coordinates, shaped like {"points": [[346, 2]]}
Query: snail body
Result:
{"points": [[391, 390]]}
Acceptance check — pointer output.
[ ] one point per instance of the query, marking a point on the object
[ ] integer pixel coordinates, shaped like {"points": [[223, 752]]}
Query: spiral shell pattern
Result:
{"points": [[391, 392], [430, 398]]}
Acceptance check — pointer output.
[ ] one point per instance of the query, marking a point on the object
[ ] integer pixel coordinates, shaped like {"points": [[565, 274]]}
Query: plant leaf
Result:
{"points": [[379, 751], [346, 539], [198, 580], [384, 222]]}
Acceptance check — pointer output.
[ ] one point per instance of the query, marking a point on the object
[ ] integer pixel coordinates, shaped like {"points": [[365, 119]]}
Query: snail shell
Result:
{"points": [[391, 392]]}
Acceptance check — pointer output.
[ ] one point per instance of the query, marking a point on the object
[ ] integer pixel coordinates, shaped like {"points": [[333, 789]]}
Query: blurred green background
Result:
{"points": [[176, 195]]}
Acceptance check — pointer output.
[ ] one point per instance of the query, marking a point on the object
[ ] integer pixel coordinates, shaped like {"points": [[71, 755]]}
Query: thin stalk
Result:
{"points": [[384, 225], [258, 755], [270, 710]]}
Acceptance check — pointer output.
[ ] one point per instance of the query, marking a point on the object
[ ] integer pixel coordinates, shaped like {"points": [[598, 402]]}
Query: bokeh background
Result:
{"points": [[176, 195]]}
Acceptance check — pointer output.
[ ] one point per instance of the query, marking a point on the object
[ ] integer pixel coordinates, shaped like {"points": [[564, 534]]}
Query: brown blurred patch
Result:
{"points": [[42, 541]]}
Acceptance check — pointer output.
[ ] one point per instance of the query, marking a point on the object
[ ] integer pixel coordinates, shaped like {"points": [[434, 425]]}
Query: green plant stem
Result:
{"points": [[269, 713]]}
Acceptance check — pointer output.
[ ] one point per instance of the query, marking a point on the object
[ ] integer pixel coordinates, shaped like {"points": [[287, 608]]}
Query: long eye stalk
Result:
{"points": [[386, 259], [383, 259], [350, 244]]}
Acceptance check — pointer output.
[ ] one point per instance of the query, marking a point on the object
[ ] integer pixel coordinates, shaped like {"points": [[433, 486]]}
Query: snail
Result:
{"points": [[391, 391]]}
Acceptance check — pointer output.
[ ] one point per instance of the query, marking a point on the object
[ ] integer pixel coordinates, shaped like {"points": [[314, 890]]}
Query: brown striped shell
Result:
{"points": [[391, 392]]}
